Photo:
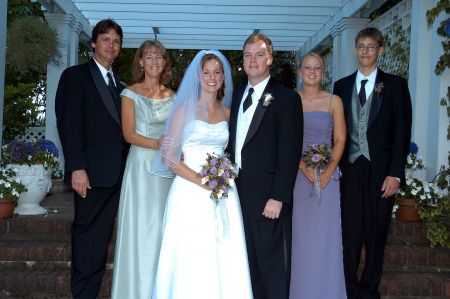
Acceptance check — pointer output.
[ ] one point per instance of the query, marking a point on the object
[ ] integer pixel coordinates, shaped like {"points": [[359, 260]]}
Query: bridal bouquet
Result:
{"points": [[318, 157], [218, 173]]}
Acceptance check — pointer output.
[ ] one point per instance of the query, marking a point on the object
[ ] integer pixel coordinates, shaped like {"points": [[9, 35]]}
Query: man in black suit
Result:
{"points": [[88, 118], [377, 108], [266, 143]]}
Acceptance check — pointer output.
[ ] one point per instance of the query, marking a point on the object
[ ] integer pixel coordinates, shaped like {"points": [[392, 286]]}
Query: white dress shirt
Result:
{"points": [[105, 73], [245, 119], [369, 84]]}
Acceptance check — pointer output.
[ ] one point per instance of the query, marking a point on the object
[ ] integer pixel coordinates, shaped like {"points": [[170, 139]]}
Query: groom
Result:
{"points": [[266, 143], [377, 109]]}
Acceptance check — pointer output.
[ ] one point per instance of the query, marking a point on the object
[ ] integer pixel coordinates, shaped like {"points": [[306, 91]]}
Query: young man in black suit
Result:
{"points": [[88, 118], [266, 143], [377, 108]]}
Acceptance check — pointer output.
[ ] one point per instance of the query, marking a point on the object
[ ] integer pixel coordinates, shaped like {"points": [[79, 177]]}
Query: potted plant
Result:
{"points": [[34, 161], [10, 188], [416, 192], [58, 185]]}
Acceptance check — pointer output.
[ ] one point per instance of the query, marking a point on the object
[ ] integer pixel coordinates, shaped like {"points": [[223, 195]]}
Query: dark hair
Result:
{"points": [[371, 32], [256, 38], [211, 56], [146, 47], [103, 27]]}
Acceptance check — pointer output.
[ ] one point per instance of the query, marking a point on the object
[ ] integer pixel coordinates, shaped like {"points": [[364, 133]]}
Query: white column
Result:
{"points": [[63, 24], [75, 38], [344, 33], [3, 17], [430, 120], [298, 56]]}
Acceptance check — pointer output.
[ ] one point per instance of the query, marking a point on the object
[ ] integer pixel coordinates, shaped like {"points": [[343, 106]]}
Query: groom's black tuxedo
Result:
{"points": [[365, 214], [89, 127], [270, 158]]}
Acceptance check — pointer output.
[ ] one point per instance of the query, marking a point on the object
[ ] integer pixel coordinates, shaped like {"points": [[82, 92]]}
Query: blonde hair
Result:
{"points": [[313, 54]]}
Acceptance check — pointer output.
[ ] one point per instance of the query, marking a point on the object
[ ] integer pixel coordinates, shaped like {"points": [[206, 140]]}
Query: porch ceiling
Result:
{"points": [[194, 24]]}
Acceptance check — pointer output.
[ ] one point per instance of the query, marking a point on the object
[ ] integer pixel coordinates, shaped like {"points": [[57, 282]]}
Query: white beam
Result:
{"points": [[3, 18], [282, 3], [348, 10]]}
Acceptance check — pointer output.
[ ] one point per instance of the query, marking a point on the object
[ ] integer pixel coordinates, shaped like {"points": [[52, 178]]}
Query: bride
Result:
{"points": [[203, 252]]}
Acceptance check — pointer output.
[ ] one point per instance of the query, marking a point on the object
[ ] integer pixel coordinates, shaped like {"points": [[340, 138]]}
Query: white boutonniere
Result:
{"points": [[266, 99], [124, 84], [378, 88]]}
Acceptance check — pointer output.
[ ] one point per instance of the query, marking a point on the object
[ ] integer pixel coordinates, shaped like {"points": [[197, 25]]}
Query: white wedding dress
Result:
{"points": [[197, 259]]}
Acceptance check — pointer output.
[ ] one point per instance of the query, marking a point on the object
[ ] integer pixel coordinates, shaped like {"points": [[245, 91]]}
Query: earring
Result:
{"points": [[301, 78], [142, 69]]}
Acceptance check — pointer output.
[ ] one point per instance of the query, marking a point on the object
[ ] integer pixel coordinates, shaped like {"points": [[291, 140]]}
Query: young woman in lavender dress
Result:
{"points": [[317, 266]]}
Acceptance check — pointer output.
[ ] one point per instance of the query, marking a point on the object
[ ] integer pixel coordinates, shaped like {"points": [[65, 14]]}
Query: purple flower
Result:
{"points": [[213, 170], [224, 165], [226, 175], [213, 184], [219, 156], [227, 160], [316, 158], [447, 27], [213, 162], [265, 104], [314, 147], [225, 189], [221, 181], [203, 172]]}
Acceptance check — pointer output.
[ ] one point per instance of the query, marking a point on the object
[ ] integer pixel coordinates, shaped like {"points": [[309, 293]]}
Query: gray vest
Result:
{"points": [[358, 135]]}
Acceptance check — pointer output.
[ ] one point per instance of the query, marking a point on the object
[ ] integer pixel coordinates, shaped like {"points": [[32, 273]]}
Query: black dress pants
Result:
{"points": [[365, 216], [269, 255], [91, 233]]}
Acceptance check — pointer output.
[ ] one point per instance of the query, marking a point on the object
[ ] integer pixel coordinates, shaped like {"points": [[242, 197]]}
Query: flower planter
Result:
{"points": [[406, 210], [58, 186], [6, 207], [38, 182]]}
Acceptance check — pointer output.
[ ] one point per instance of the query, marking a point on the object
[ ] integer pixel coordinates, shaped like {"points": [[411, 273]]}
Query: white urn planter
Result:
{"points": [[38, 182]]}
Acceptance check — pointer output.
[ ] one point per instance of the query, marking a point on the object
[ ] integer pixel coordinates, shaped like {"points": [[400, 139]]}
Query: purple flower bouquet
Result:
{"points": [[218, 173], [318, 157]]}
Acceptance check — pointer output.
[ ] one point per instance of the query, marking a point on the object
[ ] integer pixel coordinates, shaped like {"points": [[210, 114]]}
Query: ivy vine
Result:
{"points": [[437, 231]]}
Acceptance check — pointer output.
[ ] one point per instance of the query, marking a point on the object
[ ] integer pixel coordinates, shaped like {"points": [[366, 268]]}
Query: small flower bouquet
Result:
{"points": [[35, 152], [318, 157], [10, 188], [218, 173]]}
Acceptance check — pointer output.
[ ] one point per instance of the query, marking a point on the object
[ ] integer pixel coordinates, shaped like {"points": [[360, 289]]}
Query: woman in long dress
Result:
{"points": [[203, 252], [145, 108], [317, 264]]}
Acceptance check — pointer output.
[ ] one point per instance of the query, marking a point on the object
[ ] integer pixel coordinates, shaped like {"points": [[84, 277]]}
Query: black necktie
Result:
{"points": [[362, 92], [114, 92], [248, 99]]}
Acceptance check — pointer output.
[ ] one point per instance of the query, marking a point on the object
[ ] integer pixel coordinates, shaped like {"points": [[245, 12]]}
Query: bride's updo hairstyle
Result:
{"points": [[211, 56], [314, 54]]}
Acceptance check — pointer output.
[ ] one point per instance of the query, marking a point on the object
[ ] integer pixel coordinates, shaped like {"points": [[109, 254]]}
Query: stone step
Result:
{"points": [[42, 254], [49, 283], [31, 282], [414, 258], [407, 232]]}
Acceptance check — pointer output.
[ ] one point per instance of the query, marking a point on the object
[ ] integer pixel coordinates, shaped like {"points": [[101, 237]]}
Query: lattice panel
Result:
{"points": [[33, 133]]}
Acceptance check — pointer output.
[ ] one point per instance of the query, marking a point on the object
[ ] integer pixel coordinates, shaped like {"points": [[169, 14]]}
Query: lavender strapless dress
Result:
{"points": [[317, 266]]}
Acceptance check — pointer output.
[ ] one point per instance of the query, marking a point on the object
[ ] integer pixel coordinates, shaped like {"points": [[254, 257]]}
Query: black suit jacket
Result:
{"points": [[89, 125], [389, 125], [271, 152]]}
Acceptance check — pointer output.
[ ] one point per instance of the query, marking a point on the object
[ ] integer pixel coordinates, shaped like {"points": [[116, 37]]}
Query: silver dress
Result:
{"points": [[142, 202]]}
